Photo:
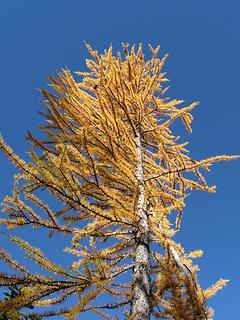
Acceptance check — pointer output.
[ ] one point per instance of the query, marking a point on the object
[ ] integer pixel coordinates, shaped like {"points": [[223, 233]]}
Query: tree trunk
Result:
{"points": [[141, 273]]}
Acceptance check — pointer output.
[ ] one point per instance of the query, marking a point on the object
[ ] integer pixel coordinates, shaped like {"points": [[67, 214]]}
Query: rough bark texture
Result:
{"points": [[141, 273]]}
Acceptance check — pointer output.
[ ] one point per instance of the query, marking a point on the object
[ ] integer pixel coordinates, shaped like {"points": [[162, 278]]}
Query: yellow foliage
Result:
{"points": [[215, 288], [120, 174], [195, 254]]}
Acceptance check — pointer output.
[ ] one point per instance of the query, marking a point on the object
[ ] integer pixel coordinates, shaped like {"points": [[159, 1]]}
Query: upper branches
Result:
{"points": [[88, 162]]}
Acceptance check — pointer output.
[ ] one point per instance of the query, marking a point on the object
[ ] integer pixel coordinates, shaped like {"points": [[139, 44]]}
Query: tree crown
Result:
{"points": [[99, 130]]}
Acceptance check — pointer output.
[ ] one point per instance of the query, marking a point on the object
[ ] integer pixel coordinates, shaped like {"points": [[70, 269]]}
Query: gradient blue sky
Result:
{"points": [[202, 37]]}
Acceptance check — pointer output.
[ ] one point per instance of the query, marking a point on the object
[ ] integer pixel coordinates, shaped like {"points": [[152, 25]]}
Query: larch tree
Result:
{"points": [[120, 174]]}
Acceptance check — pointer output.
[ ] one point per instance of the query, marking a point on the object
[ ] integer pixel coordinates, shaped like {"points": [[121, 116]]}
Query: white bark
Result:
{"points": [[141, 306], [141, 273]]}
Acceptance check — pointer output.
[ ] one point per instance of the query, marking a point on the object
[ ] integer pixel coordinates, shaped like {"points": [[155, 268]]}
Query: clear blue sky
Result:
{"points": [[202, 37]]}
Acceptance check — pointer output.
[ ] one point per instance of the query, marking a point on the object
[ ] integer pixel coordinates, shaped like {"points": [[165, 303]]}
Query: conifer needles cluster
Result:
{"points": [[120, 174]]}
